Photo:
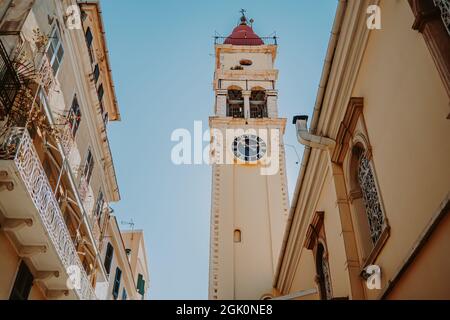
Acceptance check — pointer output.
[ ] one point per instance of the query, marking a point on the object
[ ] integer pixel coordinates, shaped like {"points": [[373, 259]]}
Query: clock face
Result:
{"points": [[249, 147]]}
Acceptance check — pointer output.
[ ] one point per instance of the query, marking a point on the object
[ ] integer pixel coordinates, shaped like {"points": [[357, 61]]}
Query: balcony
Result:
{"points": [[34, 221]]}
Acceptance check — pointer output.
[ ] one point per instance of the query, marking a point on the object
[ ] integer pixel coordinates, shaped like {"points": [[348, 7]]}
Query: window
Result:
{"points": [[96, 73], [258, 104], [235, 104], [88, 166], [105, 118], [99, 206], [237, 236], [124, 294], [371, 199], [22, 284], [323, 273], [372, 228], [89, 37], [141, 284], [55, 51], [100, 93], [108, 257], [74, 116], [116, 286]]}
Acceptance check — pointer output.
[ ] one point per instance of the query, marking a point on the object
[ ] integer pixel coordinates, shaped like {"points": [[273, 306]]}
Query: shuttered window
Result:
{"points": [[108, 257], [22, 284], [116, 286], [141, 284]]}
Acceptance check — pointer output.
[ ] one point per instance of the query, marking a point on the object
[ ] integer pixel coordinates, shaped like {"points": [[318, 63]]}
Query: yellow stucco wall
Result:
{"points": [[405, 110], [427, 276]]}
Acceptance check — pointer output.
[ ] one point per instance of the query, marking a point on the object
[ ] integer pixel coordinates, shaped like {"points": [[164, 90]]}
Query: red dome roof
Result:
{"points": [[243, 35]]}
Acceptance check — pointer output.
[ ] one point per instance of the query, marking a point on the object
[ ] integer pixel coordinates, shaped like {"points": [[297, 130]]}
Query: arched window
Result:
{"points": [[237, 236], [235, 103], [258, 104], [323, 273], [371, 199], [365, 201]]}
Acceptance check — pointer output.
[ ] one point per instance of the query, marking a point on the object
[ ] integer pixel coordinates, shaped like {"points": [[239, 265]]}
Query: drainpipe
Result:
{"points": [[315, 119], [307, 138]]}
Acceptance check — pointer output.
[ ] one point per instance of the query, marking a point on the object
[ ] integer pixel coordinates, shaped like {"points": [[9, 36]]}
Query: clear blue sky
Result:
{"points": [[162, 62]]}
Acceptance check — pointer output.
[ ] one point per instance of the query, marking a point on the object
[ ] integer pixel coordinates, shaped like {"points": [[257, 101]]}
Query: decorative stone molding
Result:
{"points": [[313, 232], [10, 224], [429, 22], [347, 129]]}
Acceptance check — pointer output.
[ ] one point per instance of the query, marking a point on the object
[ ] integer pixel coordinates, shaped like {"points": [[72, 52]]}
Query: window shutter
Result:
{"points": [[96, 73], [108, 257], [141, 284], [116, 286]]}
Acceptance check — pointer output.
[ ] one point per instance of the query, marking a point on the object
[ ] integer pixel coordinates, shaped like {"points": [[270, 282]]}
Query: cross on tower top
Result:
{"points": [[243, 17]]}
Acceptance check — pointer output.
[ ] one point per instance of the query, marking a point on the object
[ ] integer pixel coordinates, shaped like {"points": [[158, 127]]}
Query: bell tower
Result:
{"points": [[249, 201]]}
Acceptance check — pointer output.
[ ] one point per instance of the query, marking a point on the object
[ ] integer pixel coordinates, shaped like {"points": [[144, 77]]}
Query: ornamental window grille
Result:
{"points": [[371, 198], [444, 7], [326, 278], [323, 273]]}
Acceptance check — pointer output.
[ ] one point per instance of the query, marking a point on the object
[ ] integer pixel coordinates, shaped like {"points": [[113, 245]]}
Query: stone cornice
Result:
{"points": [[346, 129], [229, 122]]}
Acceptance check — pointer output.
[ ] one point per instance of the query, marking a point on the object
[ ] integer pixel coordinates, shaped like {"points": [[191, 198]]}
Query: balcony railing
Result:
{"points": [[267, 40], [19, 147], [9, 82]]}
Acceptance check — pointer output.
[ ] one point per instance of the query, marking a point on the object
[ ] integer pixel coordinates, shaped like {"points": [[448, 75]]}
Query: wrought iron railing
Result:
{"points": [[267, 40], [9, 82], [19, 147]]}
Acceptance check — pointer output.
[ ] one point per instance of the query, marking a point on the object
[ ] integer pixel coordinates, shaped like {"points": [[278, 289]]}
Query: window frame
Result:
{"points": [[59, 46], [74, 116], [88, 167], [89, 45], [99, 208], [96, 73]]}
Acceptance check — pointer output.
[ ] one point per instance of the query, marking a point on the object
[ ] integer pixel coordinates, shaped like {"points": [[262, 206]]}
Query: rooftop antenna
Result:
{"points": [[131, 224]]}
